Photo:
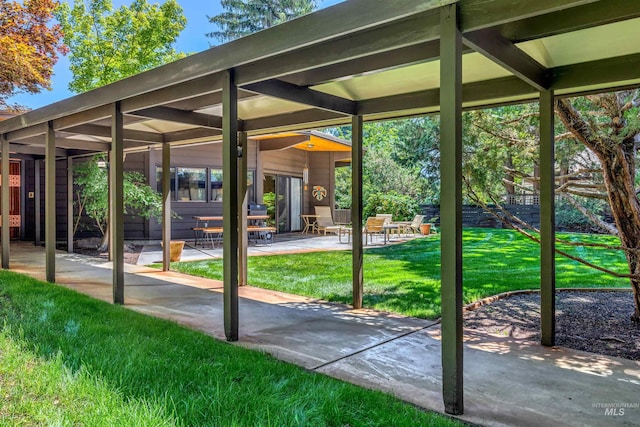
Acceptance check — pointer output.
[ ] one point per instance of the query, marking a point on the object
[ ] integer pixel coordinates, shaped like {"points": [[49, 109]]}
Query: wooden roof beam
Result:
{"points": [[105, 132], [179, 116], [290, 92], [503, 52], [568, 20]]}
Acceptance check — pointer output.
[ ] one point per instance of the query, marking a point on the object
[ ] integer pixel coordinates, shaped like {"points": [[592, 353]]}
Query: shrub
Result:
{"points": [[402, 207]]}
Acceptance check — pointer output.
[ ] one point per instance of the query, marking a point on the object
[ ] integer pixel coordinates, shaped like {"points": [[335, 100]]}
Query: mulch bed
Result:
{"points": [[131, 253], [593, 321]]}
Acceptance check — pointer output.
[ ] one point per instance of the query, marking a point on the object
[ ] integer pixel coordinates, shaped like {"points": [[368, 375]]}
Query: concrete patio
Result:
{"points": [[507, 382], [282, 243]]}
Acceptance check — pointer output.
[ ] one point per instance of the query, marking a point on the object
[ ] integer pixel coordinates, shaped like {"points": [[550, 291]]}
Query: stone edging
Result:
{"points": [[488, 300]]}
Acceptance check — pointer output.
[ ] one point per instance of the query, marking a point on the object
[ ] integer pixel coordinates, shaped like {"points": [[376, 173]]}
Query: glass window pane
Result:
{"points": [[192, 184], [172, 171], [251, 188], [216, 185]]}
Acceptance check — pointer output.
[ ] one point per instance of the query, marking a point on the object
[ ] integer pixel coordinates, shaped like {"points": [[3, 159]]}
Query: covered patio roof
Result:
{"points": [[377, 60], [311, 141], [356, 61]]}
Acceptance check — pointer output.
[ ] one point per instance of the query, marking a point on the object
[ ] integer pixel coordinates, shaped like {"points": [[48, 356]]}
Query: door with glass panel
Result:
{"points": [[289, 203]]}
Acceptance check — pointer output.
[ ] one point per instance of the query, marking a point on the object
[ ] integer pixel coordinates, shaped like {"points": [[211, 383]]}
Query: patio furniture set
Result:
{"points": [[379, 225], [257, 228]]}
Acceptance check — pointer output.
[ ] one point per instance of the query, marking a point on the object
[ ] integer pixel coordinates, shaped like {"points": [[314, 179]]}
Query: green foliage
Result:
{"points": [[570, 218], [269, 199], [405, 278], [107, 45], [92, 194], [383, 171], [70, 360], [418, 148], [402, 207], [244, 17]]}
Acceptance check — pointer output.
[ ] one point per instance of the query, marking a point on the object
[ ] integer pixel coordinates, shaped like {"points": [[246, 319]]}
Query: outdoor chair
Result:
{"points": [[388, 221], [387, 217], [324, 220], [373, 226], [412, 227]]}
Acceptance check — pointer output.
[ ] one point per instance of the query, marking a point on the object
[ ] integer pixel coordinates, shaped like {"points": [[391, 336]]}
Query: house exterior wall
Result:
{"points": [[207, 156], [29, 205], [288, 162]]}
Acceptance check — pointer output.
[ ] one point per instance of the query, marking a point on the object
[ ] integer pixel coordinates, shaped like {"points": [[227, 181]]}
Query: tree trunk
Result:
{"points": [[625, 211], [616, 150], [104, 243]]}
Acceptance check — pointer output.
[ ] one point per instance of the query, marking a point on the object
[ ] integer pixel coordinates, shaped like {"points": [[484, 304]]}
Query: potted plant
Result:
{"points": [[425, 228], [175, 250]]}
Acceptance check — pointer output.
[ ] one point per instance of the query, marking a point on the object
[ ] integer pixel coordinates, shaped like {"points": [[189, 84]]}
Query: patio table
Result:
{"points": [[309, 223]]}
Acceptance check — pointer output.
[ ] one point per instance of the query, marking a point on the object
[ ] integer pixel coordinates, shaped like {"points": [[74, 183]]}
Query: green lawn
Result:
{"points": [[67, 359], [405, 278]]}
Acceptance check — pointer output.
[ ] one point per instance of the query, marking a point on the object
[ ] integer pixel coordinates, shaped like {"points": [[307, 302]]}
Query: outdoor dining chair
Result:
{"points": [[373, 226]]}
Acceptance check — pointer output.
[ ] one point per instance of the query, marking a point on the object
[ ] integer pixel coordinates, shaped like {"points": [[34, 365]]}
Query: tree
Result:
{"points": [[108, 45], [29, 46], [244, 17], [382, 170], [596, 147], [91, 195], [609, 126]]}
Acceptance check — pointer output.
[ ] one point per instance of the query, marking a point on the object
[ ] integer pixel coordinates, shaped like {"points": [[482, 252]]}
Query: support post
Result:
{"points": [[166, 206], [230, 203], [356, 211], [5, 202], [116, 195], [50, 204], [451, 208], [243, 238], [547, 221], [69, 205], [37, 193]]}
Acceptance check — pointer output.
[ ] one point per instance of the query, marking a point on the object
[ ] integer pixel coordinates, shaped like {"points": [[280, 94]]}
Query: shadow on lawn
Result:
{"points": [[182, 373]]}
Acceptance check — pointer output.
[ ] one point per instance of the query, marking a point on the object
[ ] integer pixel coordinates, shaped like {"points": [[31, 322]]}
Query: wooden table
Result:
{"points": [[202, 223], [309, 223], [388, 228]]}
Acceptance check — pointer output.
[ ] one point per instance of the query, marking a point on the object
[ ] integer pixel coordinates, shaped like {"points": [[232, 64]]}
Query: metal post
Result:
{"points": [[50, 203], [69, 205], [356, 210], [116, 194], [37, 207], [242, 208], [451, 208], [230, 203], [6, 192], [547, 221], [166, 206]]}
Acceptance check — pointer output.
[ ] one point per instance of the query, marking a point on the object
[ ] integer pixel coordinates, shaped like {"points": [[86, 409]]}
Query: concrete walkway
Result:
{"points": [[507, 382]]}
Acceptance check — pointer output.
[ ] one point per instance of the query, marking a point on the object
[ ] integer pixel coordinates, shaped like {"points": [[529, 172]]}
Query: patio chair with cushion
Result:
{"points": [[373, 226], [387, 217], [324, 220], [412, 227]]}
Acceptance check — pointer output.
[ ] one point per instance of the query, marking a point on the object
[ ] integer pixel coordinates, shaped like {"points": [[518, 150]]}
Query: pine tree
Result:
{"points": [[244, 17]]}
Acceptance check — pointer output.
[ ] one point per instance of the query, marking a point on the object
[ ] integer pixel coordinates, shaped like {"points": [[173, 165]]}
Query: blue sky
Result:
{"points": [[191, 40]]}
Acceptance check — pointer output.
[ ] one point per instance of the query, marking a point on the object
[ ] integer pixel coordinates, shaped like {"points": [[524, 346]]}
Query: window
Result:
{"points": [[216, 185], [172, 172], [191, 184]]}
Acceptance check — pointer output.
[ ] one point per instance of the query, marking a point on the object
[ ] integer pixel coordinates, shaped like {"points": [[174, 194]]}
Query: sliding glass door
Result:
{"points": [[286, 193]]}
